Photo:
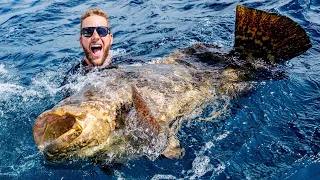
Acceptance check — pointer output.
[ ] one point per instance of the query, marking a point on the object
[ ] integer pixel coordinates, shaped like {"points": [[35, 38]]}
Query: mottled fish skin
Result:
{"points": [[169, 91], [137, 109], [260, 34]]}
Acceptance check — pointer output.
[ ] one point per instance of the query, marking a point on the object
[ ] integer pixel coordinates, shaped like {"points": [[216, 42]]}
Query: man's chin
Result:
{"points": [[97, 62]]}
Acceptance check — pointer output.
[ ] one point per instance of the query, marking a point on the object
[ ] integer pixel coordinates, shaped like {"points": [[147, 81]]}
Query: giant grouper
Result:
{"points": [[137, 109]]}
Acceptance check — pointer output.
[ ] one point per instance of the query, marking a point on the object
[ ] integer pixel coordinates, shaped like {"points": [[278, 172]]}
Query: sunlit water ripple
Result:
{"points": [[273, 133]]}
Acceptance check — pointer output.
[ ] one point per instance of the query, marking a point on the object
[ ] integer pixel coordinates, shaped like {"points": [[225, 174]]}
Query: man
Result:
{"points": [[95, 40]]}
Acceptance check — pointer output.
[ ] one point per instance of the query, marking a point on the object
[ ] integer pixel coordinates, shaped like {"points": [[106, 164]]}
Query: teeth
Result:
{"points": [[96, 46]]}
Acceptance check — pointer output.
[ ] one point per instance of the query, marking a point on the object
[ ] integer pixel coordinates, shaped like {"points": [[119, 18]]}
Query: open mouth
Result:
{"points": [[96, 49], [53, 127], [66, 132]]}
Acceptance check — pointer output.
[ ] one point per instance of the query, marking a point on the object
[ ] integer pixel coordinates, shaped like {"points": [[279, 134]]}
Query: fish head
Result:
{"points": [[102, 131], [73, 131]]}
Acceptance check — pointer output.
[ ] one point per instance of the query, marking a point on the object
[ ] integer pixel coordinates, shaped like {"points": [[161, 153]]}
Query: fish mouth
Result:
{"points": [[52, 131], [71, 132]]}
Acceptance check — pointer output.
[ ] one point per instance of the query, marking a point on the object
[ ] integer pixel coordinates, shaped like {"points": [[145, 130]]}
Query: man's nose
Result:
{"points": [[95, 35]]}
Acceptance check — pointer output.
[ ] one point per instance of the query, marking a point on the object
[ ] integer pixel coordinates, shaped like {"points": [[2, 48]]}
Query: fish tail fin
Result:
{"points": [[268, 36]]}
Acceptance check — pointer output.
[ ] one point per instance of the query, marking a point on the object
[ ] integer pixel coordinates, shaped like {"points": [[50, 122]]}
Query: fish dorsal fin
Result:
{"points": [[143, 114], [271, 37]]}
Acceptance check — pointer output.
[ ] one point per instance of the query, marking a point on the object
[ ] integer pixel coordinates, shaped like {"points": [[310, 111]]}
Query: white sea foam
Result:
{"points": [[8, 90], [220, 168], [10, 87], [2, 69], [209, 145], [222, 136], [46, 83], [163, 176], [118, 52], [45, 86], [200, 166], [207, 22], [15, 170]]}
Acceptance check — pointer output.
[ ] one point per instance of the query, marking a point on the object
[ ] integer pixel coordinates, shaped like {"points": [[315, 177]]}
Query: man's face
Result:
{"points": [[96, 48]]}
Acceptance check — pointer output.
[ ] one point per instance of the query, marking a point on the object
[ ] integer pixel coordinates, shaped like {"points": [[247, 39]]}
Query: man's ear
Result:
{"points": [[80, 40], [111, 38]]}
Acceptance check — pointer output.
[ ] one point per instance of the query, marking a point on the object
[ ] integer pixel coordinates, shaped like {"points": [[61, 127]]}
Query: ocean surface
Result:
{"points": [[273, 133]]}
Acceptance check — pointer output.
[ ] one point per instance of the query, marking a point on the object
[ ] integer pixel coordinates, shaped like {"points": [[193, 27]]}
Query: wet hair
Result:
{"points": [[94, 11]]}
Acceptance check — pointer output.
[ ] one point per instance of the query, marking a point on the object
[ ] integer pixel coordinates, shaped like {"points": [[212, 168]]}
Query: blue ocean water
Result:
{"points": [[274, 133]]}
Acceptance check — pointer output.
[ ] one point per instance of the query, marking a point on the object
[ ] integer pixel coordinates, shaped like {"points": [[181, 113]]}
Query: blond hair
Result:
{"points": [[94, 11]]}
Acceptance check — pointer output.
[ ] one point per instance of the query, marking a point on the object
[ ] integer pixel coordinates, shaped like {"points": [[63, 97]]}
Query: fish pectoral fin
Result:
{"points": [[143, 115], [174, 149], [268, 36], [146, 132]]}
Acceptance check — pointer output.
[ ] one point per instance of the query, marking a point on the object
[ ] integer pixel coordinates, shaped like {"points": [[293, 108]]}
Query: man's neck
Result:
{"points": [[87, 61]]}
